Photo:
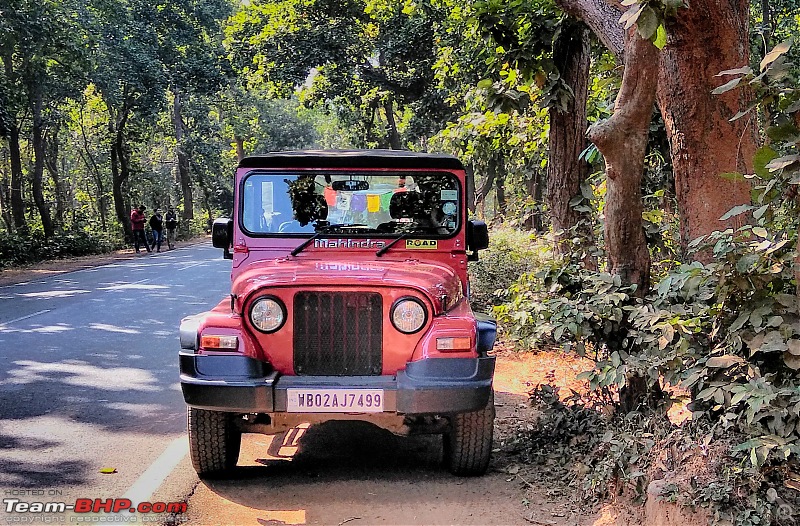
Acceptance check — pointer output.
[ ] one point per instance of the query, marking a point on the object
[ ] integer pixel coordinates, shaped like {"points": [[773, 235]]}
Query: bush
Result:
{"points": [[511, 253], [16, 249], [728, 331]]}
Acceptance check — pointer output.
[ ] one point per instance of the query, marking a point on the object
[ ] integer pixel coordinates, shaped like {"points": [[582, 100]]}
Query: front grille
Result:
{"points": [[338, 333]]}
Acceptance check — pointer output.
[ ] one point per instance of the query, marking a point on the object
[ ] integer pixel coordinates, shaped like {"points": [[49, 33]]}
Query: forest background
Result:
{"points": [[638, 162]]}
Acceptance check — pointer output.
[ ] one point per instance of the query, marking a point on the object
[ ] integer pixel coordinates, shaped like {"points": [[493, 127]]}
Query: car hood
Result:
{"points": [[438, 282]]}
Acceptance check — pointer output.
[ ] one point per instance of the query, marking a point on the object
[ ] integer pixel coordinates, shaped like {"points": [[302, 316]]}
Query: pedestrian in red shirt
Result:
{"points": [[137, 224]]}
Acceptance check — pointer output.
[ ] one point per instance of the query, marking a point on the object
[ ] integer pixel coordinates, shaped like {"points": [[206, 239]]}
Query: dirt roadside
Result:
{"points": [[44, 269], [354, 473]]}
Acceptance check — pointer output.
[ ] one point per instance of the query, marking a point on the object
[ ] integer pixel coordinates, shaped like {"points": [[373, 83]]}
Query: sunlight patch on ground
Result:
{"points": [[135, 286], [53, 294], [111, 379], [520, 372], [112, 328], [45, 329], [138, 410]]}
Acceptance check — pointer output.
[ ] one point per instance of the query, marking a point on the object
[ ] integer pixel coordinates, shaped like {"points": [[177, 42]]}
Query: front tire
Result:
{"points": [[214, 442], [468, 444]]}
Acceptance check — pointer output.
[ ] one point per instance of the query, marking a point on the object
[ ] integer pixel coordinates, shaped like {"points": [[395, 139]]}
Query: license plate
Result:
{"points": [[334, 400]]}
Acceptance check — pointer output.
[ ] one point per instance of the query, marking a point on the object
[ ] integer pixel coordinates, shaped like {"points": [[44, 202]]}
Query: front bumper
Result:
{"points": [[243, 385]]}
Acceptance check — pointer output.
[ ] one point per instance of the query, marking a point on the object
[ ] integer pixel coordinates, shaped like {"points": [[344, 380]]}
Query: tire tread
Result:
{"points": [[468, 445], [214, 441]]}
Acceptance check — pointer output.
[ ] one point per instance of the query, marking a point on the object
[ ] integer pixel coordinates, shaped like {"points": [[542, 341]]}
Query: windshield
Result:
{"points": [[351, 204]]}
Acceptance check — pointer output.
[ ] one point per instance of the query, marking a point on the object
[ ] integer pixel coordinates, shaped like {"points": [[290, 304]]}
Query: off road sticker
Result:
{"points": [[421, 244]]}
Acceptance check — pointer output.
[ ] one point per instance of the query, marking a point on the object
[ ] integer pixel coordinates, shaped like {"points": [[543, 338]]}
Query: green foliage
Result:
{"points": [[729, 331], [510, 253], [21, 250], [650, 16]]}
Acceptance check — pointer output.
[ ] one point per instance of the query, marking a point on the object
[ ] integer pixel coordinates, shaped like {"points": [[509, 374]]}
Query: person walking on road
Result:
{"points": [[137, 225], [171, 221], [157, 226]]}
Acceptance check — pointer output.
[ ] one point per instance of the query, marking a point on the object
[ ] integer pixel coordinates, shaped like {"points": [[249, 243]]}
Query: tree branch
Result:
{"points": [[602, 17]]}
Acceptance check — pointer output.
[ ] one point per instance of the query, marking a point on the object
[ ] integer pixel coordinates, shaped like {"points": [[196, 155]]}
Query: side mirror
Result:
{"points": [[477, 238], [222, 235]]}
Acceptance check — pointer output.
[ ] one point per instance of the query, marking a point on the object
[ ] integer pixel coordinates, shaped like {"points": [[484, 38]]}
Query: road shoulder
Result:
{"points": [[46, 269]]}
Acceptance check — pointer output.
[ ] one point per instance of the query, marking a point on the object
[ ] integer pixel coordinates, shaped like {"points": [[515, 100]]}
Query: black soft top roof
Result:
{"points": [[352, 159]]}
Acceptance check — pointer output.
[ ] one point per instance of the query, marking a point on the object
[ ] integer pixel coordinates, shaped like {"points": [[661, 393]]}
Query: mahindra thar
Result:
{"points": [[349, 301]]}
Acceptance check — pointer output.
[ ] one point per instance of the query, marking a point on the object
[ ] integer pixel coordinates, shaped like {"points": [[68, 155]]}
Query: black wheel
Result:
{"points": [[214, 442], [468, 444]]}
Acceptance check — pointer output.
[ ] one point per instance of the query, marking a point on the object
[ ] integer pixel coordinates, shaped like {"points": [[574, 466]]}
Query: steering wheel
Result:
{"points": [[286, 226]]}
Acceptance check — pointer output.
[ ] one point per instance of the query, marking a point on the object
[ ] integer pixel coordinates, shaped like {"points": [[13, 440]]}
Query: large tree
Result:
{"points": [[708, 146], [190, 48], [550, 56], [131, 79], [40, 52], [370, 63]]}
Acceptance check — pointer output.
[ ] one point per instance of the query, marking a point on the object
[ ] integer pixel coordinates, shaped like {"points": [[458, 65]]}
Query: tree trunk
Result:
{"points": [[52, 148], [500, 201], [39, 161], [5, 195], [705, 39], [766, 21], [119, 169], [183, 164], [470, 180], [17, 203], [491, 173], [368, 133], [622, 139], [239, 148], [565, 170], [534, 188], [708, 37], [88, 159], [394, 136], [602, 17]]}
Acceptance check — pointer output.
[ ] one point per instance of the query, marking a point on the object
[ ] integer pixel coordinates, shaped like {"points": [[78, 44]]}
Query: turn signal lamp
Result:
{"points": [[453, 344], [212, 342]]}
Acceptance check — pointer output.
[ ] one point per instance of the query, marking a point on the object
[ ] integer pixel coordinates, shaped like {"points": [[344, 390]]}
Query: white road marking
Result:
{"points": [[150, 480], [23, 317], [125, 285], [157, 473], [192, 265]]}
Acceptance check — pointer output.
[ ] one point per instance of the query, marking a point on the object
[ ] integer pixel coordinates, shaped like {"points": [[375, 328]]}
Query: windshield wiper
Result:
{"points": [[322, 231], [392, 243]]}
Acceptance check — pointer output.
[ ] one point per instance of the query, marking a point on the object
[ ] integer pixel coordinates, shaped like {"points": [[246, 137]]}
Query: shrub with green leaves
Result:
{"points": [[511, 253], [20, 250], [729, 331]]}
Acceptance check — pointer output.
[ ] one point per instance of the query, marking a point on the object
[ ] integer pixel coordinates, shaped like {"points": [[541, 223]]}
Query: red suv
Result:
{"points": [[349, 300]]}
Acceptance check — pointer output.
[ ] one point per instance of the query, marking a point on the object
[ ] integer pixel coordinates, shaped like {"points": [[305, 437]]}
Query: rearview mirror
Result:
{"points": [[477, 238], [222, 235], [350, 185]]}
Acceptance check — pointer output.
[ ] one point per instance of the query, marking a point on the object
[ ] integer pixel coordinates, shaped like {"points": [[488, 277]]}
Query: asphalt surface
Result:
{"points": [[90, 375]]}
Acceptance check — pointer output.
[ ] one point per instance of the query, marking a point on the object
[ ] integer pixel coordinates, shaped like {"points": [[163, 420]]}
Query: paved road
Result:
{"points": [[90, 375], [90, 381]]}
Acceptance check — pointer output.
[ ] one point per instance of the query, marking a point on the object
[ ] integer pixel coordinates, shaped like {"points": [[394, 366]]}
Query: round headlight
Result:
{"points": [[267, 314], [408, 315]]}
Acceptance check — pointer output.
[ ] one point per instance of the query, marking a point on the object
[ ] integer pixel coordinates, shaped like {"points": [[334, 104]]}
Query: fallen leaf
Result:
{"points": [[108, 471], [791, 361], [792, 484]]}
